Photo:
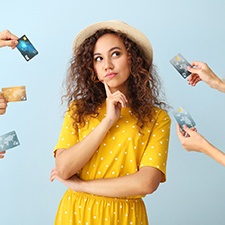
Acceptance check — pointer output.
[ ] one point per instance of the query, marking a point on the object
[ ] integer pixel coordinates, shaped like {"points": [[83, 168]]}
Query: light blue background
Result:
{"points": [[194, 193]]}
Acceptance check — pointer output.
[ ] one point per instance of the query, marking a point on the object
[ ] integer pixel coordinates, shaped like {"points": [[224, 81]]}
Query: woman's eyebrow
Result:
{"points": [[110, 50], [114, 48]]}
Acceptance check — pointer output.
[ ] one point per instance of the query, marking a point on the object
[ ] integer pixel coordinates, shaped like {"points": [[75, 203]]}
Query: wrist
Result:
{"points": [[218, 84], [222, 89], [83, 186], [205, 147], [107, 123]]}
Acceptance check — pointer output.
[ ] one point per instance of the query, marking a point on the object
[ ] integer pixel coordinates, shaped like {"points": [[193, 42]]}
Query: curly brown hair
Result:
{"points": [[85, 93]]}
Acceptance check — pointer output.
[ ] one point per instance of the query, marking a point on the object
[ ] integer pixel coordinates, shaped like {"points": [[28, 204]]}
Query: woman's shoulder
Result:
{"points": [[160, 113]]}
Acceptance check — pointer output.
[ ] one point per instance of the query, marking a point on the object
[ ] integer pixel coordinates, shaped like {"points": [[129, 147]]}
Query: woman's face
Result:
{"points": [[111, 62]]}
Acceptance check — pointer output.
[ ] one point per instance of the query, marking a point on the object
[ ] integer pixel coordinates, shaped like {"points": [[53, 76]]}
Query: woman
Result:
{"points": [[113, 145]]}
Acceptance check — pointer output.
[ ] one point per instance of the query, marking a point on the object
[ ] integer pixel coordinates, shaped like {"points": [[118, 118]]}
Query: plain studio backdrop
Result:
{"points": [[194, 193]]}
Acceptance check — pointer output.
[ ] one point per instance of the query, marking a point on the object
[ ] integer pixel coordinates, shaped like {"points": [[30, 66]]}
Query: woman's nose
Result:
{"points": [[108, 64]]}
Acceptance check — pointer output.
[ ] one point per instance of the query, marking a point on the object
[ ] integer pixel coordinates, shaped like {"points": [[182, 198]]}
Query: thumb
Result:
{"points": [[9, 43], [188, 130], [192, 70], [179, 132]]}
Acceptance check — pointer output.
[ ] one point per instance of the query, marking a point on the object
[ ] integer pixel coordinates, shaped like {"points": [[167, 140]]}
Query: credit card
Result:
{"points": [[8, 141], [183, 117], [26, 48], [15, 94], [181, 64]]}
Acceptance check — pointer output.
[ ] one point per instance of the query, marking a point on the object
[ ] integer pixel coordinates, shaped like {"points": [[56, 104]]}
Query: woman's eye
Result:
{"points": [[116, 54], [98, 58]]}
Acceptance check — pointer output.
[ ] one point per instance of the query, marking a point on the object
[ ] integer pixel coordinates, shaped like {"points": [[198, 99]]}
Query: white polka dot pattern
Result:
{"points": [[116, 211], [123, 151]]}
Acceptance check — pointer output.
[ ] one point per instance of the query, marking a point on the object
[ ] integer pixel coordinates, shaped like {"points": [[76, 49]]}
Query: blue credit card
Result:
{"points": [[8, 140], [181, 64], [183, 117], [26, 48]]}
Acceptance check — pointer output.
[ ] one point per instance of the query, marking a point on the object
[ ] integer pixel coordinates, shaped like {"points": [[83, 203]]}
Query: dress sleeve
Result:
{"points": [[156, 151], [68, 135]]}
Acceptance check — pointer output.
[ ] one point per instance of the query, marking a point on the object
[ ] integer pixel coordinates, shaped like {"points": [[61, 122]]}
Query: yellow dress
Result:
{"points": [[123, 151]]}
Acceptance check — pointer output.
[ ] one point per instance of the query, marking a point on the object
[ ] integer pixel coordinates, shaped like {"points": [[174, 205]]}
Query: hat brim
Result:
{"points": [[134, 34]]}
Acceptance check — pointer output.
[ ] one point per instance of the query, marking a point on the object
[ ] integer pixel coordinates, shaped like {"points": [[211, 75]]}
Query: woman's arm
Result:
{"points": [[143, 182], [196, 142], [201, 71], [70, 161], [214, 153]]}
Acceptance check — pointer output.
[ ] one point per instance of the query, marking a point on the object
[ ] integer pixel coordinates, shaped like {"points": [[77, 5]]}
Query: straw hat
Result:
{"points": [[134, 34]]}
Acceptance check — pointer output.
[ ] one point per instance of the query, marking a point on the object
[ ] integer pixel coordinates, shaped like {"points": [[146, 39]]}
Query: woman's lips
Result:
{"points": [[110, 75]]}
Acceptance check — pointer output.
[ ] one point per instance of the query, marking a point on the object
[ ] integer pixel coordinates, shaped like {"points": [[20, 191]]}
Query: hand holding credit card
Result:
{"points": [[15, 94], [8, 140], [183, 118], [26, 48], [181, 64]]}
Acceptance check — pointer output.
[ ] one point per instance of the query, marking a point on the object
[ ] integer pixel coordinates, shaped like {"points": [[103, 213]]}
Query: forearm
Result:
{"points": [[214, 153], [114, 187], [221, 86], [213, 80], [143, 182], [70, 161]]}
